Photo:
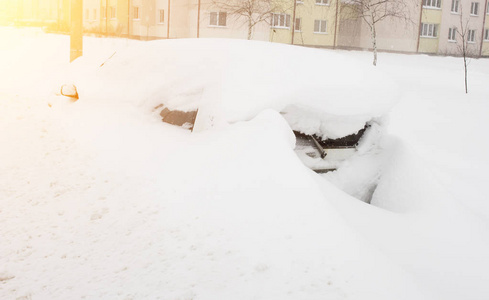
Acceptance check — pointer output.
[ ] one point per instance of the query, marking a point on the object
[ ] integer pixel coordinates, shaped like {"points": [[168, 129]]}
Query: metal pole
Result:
{"points": [[293, 22], [106, 18], [76, 37], [335, 24], [128, 17], [419, 26], [59, 15], [483, 28], [198, 20], [168, 25]]}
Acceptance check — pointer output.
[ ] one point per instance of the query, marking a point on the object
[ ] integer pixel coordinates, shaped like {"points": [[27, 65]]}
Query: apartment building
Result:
{"points": [[393, 34], [443, 21], [309, 22], [433, 25], [52, 14], [485, 38], [315, 21]]}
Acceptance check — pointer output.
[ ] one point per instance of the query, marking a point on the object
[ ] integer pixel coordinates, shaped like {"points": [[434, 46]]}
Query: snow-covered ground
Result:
{"points": [[101, 200]]}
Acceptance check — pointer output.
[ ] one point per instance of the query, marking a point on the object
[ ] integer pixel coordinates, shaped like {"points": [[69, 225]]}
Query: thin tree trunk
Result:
{"points": [[374, 43], [250, 29], [374, 38], [465, 70]]}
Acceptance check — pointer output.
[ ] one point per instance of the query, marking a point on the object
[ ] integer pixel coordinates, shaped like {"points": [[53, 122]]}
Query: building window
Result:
{"points": [[280, 21], [95, 14], [87, 14], [471, 36], [104, 12], [474, 9], [322, 2], [218, 19], [319, 26], [135, 13], [112, 12], [486, 35], [452, 34], [162, 15], [298, 24], [455, 5], [432, 3], [429, 30], [299, 1], [487, 12]]}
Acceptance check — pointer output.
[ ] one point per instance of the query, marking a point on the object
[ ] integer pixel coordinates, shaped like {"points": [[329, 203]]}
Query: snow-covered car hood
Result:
{"points": [[320, 92]]}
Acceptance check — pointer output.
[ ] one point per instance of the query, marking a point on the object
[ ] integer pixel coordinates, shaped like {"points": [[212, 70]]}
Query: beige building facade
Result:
{"points": [[393, 34], [432, 26], [446, 24], [50, 14], [484, 51]]}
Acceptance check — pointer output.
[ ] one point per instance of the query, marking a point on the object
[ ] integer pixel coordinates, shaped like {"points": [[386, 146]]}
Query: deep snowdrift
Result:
{"points": [[233, 80], [100, 200]]}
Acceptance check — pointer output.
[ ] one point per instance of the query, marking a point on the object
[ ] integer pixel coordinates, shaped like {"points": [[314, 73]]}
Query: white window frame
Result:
{"points": [[486, 34], [429, 30], [219, 16], [281, 20], [298, 21], [161, 13], [299, 1], [452, 34], [455, 6], [471, 36], [113, 12], [474, 9], [136, 13], [435, 4], [320, 27], [322, 2]]}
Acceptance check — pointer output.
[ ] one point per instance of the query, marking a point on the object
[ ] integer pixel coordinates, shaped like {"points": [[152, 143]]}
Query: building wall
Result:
{"points": [[50, 14], [457, 20], [180, 20], [308, 12], [116, 24], [148, 25], [431, 15], [485, 42], [349, 33], [350, 28], [236, 26], [91, 16], [393, 34]]}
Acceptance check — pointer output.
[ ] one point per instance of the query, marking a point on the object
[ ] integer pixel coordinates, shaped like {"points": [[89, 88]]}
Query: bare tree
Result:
{"points": [[465, 37], [462, 46], [373, 12], [253, 11]]}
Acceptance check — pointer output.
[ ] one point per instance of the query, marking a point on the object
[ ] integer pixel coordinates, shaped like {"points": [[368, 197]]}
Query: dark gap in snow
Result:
{"points": [[185, 119], [324, 155], [326, 170], [349, 141]]}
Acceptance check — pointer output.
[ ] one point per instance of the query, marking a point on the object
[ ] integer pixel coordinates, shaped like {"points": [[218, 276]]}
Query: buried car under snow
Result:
{"points": [[329, 100]]}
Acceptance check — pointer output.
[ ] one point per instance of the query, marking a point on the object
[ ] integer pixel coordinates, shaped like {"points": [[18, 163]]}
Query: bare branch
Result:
{"points": [[252, 12], [375, 11]]}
